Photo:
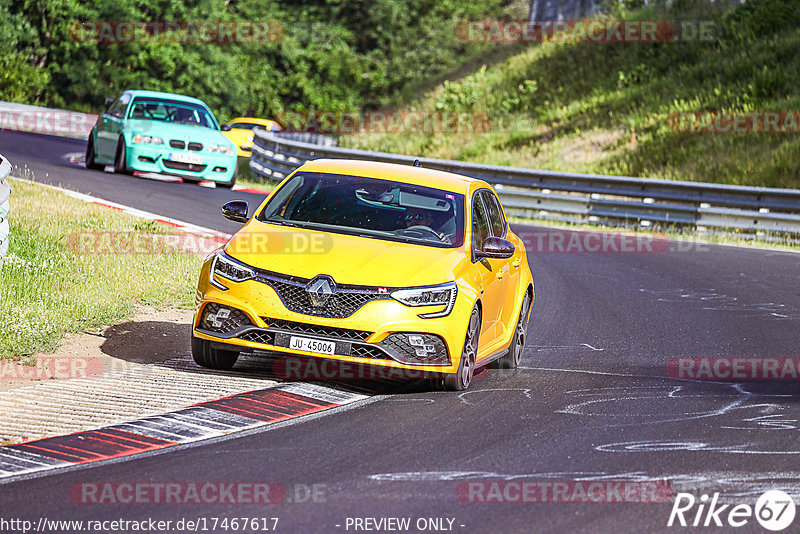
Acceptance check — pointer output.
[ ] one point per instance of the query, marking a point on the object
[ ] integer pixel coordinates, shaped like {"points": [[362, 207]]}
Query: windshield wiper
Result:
{"points": [[283, 223]]}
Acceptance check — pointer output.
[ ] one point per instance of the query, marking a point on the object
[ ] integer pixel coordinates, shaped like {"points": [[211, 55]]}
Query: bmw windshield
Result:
{"points": [[367, 207], [158, 109]]}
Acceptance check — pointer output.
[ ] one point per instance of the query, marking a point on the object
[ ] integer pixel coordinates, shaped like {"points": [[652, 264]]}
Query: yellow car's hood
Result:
{"points": [[348, 259]]}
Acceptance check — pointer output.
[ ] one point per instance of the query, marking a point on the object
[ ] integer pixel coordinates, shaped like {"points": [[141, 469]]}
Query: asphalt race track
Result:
{"points": [[593, 400]]}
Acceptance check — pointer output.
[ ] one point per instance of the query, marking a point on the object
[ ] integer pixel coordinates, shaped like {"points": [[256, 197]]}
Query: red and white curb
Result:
{"points": [[206, 420]]}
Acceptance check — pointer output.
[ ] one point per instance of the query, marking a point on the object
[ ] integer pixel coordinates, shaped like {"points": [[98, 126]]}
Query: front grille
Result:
{"points": [[194, 167], [222, 319], [433, 347], [196, 146], [258, 336], [177, 143], [344, 303], [366, 351], [317, 330]]}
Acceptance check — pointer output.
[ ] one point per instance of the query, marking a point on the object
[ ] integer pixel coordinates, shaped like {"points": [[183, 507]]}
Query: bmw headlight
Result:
{"points": [[151, 139], [441, 295], [227, 267], [222, 149]]}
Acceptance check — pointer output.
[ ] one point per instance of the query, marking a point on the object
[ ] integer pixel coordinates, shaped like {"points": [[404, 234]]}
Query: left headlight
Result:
{"points": [[227, 267], [222, 149], [441, 295], [151, 139]]}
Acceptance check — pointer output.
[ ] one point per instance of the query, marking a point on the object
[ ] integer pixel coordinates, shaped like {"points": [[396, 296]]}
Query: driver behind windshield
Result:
{"points": [[418, 217]]}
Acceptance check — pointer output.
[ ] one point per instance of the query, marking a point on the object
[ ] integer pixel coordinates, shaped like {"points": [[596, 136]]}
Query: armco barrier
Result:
{"points": [[5, 205], [576, 197]]}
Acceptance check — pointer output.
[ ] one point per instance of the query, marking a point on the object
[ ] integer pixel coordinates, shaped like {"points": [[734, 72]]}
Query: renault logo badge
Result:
{"points": [[320, 289]]}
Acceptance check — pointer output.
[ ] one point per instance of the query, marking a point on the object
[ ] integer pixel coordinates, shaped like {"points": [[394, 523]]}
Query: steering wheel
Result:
{"points": [[422, 230]]}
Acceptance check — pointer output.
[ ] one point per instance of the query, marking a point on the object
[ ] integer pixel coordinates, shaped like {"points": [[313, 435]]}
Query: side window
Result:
{"points": [[123, 104], [118, 107], [480, 224], [495, 212], [114, 107]]}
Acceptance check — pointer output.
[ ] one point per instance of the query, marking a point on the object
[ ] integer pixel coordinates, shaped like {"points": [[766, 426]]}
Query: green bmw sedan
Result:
{"points": [[164, 133]]}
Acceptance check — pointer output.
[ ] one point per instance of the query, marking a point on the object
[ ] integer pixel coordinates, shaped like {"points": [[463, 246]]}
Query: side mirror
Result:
{"points": [[226, 128], [496, 247], [109, 101], [235, 210]]}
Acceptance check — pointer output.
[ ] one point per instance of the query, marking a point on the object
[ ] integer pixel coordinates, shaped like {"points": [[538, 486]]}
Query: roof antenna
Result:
{"points": [[416, 163]]}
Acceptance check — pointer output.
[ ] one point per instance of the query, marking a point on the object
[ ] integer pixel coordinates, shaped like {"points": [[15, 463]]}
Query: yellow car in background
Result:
{"points": [[375, 264], [240, 131]]}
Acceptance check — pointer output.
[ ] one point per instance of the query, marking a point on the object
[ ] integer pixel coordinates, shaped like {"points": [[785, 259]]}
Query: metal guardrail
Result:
{"points": [[5, 205], [576, 197]]}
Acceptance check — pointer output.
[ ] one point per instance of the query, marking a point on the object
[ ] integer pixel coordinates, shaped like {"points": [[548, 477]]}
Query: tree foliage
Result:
{"points": [[334, 54]]}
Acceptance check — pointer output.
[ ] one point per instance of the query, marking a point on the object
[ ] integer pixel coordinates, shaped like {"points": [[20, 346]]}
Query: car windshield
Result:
{"points": [[248, 126], [367, 207], [171, 111]]}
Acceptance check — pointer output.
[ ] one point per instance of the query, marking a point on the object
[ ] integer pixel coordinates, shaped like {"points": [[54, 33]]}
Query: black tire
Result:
{"points": [[514, 356], [90, 163], [229, 185], [207, 356], [121, 159], [461, 379]]}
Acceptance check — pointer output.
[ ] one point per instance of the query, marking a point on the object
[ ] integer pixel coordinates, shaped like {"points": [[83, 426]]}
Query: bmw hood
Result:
{"points": [[167, 131], [347, 259]]}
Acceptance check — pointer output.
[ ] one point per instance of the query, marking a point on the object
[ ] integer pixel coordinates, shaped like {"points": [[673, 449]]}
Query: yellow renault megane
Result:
{"points": [[374, 264]]}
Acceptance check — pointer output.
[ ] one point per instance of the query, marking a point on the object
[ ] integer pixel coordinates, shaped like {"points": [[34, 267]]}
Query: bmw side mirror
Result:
{"points": [[225, 128], [235, 210], [109, 101], [496, 247]]}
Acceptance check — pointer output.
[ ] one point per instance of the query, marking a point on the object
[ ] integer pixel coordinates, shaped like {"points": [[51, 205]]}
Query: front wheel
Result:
{"points": [[207, 356], [466, 368], [227, 185], [121, 160]]}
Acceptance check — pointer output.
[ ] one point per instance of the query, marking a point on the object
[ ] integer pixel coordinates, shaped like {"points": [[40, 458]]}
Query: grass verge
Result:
{"points": [[48, 290]]}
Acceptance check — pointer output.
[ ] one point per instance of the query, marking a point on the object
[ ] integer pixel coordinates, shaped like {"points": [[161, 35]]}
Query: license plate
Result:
{"points": [[312, 345], [185, 158]]}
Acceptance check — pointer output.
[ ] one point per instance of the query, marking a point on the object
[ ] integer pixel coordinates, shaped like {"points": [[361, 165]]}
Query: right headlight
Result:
{"points": [[443, 294], [227, 267]]}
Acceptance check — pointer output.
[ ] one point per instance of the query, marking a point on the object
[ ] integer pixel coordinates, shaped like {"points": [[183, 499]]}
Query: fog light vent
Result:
{"points": [[222, 319], [418, 349]]}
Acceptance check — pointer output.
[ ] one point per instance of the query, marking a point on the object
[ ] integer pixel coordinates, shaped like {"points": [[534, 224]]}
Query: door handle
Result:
{"points": [[501, 273], [516, 263]]}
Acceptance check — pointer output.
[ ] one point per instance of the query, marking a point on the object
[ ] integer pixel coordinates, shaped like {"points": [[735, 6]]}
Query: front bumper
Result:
{"points": [[151, 158], [377, 334]]}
